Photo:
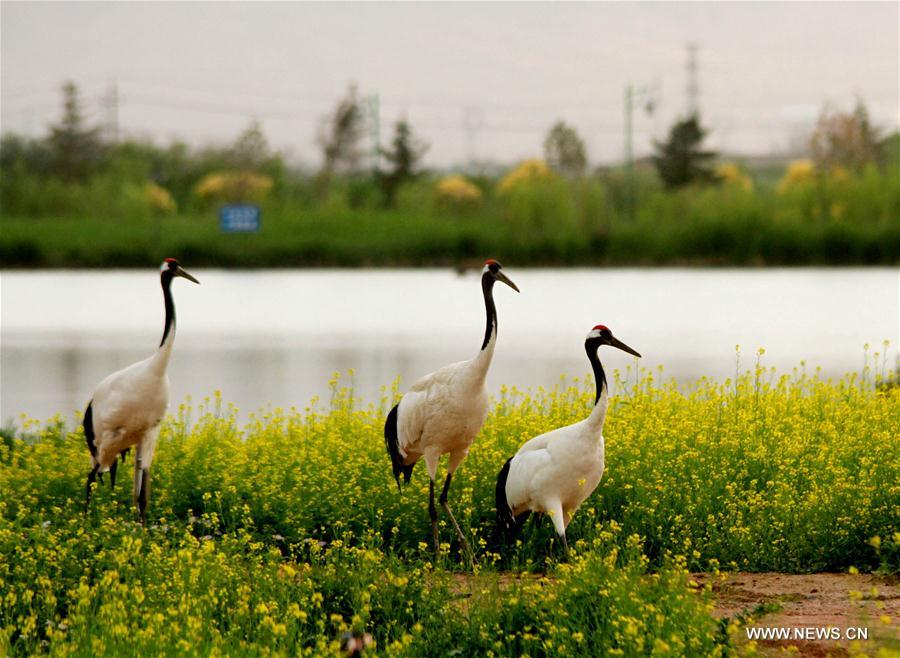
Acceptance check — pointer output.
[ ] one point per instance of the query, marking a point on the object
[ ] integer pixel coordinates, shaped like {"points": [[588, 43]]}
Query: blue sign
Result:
{"points": [[239, 218]]}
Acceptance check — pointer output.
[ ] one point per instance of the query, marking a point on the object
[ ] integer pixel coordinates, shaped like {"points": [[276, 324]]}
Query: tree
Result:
{"points": [[564, 150], [250, 150], [680, 160], [33, 154], [340, 136], [404, 156], [889, 150], [76, 150], [844, 139]]}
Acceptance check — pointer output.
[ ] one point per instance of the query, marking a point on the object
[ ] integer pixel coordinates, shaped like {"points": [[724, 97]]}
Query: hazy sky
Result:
{"points": [[482, 80]]}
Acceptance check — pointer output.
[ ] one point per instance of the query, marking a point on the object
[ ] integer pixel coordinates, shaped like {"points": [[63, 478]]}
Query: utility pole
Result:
{"points": [[110, 103], [642, 95], [473, 120], [629, 148], [373, 107], [693, 84]]}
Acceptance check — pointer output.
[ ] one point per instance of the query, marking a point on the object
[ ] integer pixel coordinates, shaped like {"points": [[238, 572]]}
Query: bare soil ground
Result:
{"points": [[814, 601]]}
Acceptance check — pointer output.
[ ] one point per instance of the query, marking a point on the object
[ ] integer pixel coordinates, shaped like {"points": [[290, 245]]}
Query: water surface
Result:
{"points": [[276, 336]]}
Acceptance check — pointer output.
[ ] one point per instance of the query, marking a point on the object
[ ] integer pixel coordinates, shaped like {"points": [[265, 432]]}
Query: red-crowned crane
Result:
{"points": [[444, 411], [555, 472], [128, 406]]}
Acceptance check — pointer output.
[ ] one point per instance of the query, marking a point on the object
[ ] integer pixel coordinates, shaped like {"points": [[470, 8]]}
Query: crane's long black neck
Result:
{"points": [[591, 348], [487, 287], [166, 281]]}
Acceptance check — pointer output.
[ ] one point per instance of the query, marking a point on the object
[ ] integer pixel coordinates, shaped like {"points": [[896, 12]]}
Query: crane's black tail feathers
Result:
{"points": [[507, 525], [391, 441], [88, 424]]}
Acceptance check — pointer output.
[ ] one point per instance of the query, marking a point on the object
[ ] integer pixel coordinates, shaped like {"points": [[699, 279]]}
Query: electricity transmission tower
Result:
{"points": [[110, 104], [693, 84], [646, 96], [372, 105]]}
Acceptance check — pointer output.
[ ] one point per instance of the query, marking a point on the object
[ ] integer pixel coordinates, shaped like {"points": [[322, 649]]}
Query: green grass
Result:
{"points": [[395, 238], [279, 536]]}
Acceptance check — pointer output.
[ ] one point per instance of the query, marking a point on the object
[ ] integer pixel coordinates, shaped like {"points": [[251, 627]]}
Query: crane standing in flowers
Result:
{"points": [[444, 411], [128, 406], [555, 472]]}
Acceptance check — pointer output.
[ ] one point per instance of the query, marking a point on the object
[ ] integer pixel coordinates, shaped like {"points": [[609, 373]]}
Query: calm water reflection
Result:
{"points": [[277, 336]]}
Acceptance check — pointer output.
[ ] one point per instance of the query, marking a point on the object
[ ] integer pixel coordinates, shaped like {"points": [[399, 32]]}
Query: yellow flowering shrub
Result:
{"points": [[803, 173], [159, 199], [799, 172], [731, 174], [228, 186], [457, 190], [527, 172]]}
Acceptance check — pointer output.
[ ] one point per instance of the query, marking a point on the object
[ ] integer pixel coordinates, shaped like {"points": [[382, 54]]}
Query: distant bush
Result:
{"points": [[799, 173], [457, 191], [233, 186], [729, 173], [541, 205], [159, 199], [526, 173]]}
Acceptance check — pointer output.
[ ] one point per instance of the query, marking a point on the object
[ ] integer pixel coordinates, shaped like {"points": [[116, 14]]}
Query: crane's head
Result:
{"points": [[601, 335], [493, 272], [171, 268]]}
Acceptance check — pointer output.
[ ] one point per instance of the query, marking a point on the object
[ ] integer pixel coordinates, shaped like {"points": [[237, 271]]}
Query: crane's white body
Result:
{"points": [[443, 412], [128, 407], [555, 472]]}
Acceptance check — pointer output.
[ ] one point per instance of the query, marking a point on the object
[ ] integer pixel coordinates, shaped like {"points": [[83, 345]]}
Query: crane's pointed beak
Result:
{"points": [[615, 342], [180, 272], [505, 279]]}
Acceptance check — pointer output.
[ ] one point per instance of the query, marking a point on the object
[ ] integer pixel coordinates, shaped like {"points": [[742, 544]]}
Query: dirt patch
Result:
{"points": [[846, 602], [816, 601]]}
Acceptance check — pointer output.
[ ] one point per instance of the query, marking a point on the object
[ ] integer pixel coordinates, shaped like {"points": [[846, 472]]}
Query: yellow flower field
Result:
{"points": [[277, 537]]}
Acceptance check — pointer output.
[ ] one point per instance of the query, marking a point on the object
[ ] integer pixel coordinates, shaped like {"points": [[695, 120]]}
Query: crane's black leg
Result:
{"points": [[92, 477], [432, 512], [462, 537], [565, 544], [144, 495], [112, 473]]}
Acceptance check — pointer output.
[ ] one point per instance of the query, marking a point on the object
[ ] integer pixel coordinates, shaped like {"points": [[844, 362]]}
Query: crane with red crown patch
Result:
{"points": [[555, 472], [443, 412]]}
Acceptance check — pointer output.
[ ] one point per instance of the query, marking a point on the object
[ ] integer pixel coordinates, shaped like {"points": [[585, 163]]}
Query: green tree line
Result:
{"points": [[686, 204]]}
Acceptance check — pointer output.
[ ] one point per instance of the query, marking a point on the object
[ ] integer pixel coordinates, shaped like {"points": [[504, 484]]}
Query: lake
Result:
{"points": [[277, 336]]}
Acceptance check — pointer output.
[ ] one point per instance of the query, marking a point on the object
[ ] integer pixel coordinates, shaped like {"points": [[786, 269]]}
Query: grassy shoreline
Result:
{"points": [[393, 238]]}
